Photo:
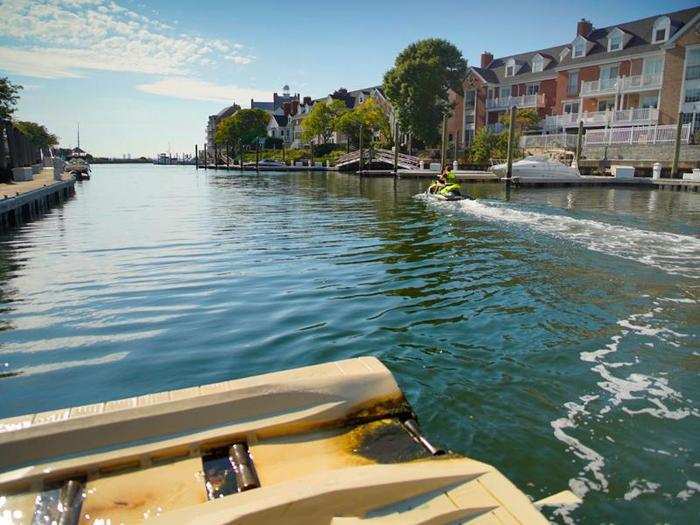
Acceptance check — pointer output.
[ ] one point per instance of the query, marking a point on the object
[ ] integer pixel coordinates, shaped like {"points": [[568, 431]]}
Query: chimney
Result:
{"points": [[584, 28], [486, 59]]}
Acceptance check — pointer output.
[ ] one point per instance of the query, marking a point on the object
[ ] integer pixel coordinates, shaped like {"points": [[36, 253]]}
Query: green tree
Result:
{"points": [[483, 146], [37, 134], [245, 126], [370, 115], [525, 119], [419, 82], [321, 120], [9, 95]]}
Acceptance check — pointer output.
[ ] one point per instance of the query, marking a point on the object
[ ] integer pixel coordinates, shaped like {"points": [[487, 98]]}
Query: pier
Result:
{"points": [[22, 202]]}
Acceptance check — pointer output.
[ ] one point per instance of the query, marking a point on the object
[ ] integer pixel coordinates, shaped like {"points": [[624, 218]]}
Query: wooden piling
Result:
{"points": [[257, 156], [396, 148], [511, 134], [443, 149], [362, 151], [196, 157], [677, 149], [206, 161], [579, 142]]}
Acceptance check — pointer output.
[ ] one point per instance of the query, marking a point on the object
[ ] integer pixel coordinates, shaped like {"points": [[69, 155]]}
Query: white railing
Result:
{"points": [[605, 86], [524, 101], [599, 87], [642, 135], [621, 117], [497, 127], [641, 82], [555, 140]]}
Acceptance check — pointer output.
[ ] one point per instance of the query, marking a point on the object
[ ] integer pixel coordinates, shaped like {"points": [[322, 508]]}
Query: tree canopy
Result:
{"points": [[246, 126], [321, 120], [525, 119], [9, 95], [419, 82], [37, 134], [368, 114]]}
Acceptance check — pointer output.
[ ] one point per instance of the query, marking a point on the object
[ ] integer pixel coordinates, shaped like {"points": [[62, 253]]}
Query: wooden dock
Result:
{"points": [[22, 202]]}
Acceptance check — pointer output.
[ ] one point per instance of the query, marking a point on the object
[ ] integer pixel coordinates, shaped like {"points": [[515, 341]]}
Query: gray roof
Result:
{"points": [[267, 106], [640, 42], [229, 110], [281, 120]]}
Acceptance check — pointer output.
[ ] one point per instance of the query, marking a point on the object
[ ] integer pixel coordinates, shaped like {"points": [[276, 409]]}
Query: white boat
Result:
{"points": [[538, 167], [328, 444], [266, 163]]}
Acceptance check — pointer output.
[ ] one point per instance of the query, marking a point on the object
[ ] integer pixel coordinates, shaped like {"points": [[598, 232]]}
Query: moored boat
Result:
{"points": [[538, 167], [328, 444], [79, 168]]}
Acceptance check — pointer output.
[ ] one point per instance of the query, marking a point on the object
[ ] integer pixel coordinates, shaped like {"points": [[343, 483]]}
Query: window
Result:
{"points": [[510, 71], [692, 95], [692, 64], [660, 30], [605, 105], [505, 92], [533, 89], [537, 64], [469, 100], [572, 83], [615, 41], [579, 48], [570, 108], [608, 76], [653, 66], [649, 101]]}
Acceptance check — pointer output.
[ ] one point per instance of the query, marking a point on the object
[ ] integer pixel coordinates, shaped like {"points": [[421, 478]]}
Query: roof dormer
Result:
{"points": [[539, 62], [661, 30], [512, 67], [617, 39], [580, 47]]}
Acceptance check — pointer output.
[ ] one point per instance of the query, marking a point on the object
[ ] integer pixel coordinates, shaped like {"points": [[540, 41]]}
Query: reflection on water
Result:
{"points": [[550, 332]]}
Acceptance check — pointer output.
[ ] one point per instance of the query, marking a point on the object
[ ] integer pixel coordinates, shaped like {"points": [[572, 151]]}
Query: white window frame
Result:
{"points": [[570, 103], [500, 91], [578, 82], [615, 33], [664, 23], [533, 84], [537, 64], [684, 84], [579, 40]]}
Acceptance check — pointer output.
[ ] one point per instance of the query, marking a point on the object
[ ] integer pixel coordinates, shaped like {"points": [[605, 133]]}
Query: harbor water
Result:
{"points": [[550, 332]]}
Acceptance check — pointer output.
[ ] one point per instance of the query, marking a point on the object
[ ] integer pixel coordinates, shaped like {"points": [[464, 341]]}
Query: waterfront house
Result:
{"points": [[639, 73], [214, 120]]}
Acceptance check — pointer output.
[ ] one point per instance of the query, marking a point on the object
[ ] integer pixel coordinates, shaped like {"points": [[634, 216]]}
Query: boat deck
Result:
{"points": [[325, 444]]}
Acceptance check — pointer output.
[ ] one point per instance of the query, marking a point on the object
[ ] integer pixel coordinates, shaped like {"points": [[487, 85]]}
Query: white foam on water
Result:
{"points": [[670, 252], [656, 391], [52, 367]]}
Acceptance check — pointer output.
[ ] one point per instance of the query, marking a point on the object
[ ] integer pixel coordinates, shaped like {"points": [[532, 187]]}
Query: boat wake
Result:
{"points": [[673, 253]]}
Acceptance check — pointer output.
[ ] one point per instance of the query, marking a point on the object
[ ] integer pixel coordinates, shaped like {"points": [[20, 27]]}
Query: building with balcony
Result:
{"points": [[639, 73]]}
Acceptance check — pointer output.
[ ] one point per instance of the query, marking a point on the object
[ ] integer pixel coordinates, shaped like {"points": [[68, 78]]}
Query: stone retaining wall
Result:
{"points": [[652, 152]]}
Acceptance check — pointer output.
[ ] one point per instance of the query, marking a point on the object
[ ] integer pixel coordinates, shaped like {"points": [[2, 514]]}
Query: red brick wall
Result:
{"points": [[636, 67], [454, 122], [561, 94], [549, 89], [480, 109], [674, 61]]}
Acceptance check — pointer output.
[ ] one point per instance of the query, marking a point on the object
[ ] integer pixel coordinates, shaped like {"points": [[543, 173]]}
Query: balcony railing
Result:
{"points": [[608, 86], [558, 140], [496, 127], [644, 135], [524, 101], [621, 117]]}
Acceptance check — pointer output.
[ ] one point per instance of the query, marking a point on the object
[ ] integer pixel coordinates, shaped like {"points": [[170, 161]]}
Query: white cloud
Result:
{"points": [[58, 38], [193, 89]]}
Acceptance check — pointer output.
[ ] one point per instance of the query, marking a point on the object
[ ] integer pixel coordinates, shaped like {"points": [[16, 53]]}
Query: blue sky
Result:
{"points": [[141, 75]]}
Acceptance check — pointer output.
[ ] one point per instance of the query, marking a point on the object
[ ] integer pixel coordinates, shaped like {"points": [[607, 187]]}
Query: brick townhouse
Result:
{"points": [[638, 73]]}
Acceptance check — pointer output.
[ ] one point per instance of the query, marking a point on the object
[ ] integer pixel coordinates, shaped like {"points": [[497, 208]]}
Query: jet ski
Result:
{"points": [[450, 197]]}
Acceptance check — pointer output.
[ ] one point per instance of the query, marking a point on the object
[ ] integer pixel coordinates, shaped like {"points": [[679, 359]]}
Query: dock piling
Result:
{"points": [[206, 161], [677, 149], [396, 148], [196, 157], [362, 151], [443, 149], [511, 134], [579, 142]]}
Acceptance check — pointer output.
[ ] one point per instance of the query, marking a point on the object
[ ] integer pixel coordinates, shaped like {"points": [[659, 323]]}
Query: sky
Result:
{"points": [[143, 76]]}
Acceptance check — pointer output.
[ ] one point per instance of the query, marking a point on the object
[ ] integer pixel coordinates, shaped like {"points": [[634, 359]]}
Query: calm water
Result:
{"points": [[554, 334]]}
